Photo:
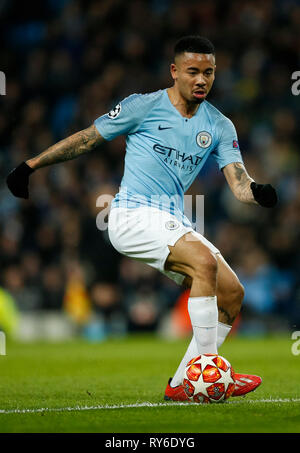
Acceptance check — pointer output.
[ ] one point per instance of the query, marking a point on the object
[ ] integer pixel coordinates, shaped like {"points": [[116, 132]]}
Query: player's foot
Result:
{"points": [[175, 393], [245, 383]]}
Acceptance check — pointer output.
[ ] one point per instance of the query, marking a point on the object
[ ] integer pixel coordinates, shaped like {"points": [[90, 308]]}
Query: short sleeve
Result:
{"points": [[227, 150], [126, 117], [122, 119]]}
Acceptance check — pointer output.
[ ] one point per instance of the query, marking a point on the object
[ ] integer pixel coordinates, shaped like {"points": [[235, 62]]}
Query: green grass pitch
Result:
{"points": [[65, 387]]}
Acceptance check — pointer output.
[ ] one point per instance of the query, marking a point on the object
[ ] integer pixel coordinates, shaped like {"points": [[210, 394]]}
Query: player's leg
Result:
{"points": [[230, 293], [192, 256], [131, 237]]}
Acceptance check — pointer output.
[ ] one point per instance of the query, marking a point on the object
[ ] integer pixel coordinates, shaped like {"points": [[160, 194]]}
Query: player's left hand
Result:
{"points": [[264, 194]]}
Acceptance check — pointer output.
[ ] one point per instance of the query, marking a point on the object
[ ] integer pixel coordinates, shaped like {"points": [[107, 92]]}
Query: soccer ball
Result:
{"points": [[208, 378]]}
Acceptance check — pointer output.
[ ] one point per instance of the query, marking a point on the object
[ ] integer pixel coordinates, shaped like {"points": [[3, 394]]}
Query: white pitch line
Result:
{"points": [[137, 405]]}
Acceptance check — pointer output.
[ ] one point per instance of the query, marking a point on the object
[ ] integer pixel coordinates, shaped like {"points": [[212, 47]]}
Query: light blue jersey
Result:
{"points": [[164, 150]]}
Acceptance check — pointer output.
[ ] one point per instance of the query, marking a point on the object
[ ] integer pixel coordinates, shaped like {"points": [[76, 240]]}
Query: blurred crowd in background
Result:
{"points": [[69, 61]]}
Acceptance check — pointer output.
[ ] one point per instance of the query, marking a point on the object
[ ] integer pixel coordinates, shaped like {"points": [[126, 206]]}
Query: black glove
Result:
{"points": [[264, 194], [18, 180]]}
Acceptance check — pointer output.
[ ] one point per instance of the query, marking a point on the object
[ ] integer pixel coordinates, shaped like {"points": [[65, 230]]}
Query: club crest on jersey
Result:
{"points": [[171, 225], [115, 112], [204, 139]]}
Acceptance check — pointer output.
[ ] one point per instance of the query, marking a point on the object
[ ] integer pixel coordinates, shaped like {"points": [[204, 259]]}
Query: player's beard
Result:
{"points": [[195, 101]]}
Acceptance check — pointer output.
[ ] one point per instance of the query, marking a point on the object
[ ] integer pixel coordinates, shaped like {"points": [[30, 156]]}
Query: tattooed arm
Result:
{"points": [[239, 182], [80, 143]]}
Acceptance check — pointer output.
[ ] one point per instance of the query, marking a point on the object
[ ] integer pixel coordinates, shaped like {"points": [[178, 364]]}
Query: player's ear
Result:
{"points": [[173, 70]]}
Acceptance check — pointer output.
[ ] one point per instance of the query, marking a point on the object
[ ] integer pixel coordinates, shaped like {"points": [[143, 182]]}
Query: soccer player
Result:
{"points": [[170, 134]]}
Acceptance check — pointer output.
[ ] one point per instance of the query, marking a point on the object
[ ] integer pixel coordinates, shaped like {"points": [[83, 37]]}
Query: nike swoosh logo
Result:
{"points": [[163, 128]]}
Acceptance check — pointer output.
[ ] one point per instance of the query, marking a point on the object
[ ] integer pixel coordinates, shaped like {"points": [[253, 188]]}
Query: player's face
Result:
{"points": [[194, 74]]}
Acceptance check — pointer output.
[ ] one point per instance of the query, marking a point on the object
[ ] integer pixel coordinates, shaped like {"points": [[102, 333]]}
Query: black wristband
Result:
{"points": [[264, 194]]}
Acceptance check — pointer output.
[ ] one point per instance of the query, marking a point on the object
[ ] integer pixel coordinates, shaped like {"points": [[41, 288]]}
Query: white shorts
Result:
{"points": [[145, 233]]}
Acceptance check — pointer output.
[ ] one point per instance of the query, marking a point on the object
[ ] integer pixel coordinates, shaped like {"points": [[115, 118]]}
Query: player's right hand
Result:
{"points": [[18, 179]]}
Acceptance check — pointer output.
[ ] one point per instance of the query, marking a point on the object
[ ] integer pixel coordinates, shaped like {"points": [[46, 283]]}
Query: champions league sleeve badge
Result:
{"points": [[204, 139], [115, 112]]}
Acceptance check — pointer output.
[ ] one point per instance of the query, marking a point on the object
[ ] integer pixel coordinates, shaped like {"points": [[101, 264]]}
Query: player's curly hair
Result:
{"points": [[194, 44]]}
